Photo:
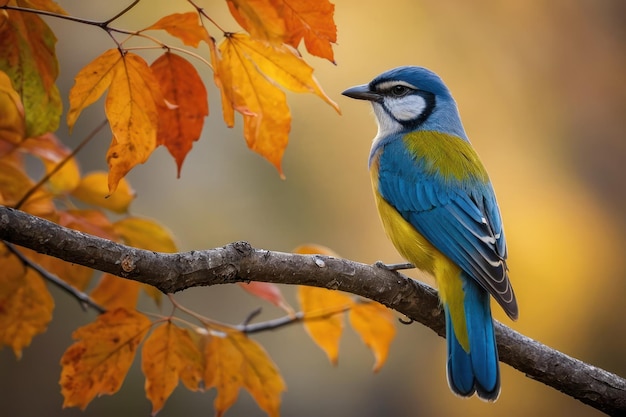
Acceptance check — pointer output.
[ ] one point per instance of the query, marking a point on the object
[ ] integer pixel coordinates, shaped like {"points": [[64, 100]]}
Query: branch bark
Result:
{"points": [[239, 262]]}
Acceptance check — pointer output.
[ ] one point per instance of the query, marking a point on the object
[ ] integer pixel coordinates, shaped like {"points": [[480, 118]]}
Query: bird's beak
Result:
{"points": [[362, 92]]}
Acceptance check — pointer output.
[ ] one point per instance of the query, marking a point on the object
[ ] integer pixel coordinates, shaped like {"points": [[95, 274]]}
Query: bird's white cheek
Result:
{"points": [[387, 125], [406, 108]]}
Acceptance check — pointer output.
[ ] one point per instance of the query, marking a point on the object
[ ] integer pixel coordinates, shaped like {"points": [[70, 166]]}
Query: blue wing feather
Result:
{"points": [[459, 217]]}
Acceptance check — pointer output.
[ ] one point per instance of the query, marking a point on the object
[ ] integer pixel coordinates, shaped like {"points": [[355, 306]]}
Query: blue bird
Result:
{"points": [[439, 209]]}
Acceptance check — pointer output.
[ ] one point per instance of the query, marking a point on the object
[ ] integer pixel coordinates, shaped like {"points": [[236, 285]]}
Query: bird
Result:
{"points": [[438, 207]]}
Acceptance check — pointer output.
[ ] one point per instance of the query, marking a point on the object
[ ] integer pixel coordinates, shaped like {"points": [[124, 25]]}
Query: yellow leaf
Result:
{"points": [[12, 123], [281, 64], [114, 292], [266, 116], [234, 361], [122, 157], [145, 234], [93, 189], [375, 324], [259, 18], [28, 57], [169, 354], [99, 361], [25, 303], [180, 124], [130, 105], [91, 82], [184, 26], [323, 317]]}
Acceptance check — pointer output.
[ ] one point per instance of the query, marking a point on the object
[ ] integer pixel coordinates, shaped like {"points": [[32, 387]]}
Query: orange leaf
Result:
{"points": [[27, 55], [99, 361], [234, 361], [25, 304], [181, 124], [323, 318], [93, 222], [131, 108], [91, 82], [145, 234], [93, 189], [12, 123], [259, 18], [375, 324], [315, 249], [169, 354], [184, 26], [313, 21], [114, 292], [268, 292], [52, 152]]}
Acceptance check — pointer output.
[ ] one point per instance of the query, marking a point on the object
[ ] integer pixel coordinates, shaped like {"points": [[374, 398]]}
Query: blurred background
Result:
{"points": [[541, 87]]}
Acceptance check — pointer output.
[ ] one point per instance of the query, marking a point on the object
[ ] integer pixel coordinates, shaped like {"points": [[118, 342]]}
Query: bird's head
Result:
{"points": [[407, 98]]}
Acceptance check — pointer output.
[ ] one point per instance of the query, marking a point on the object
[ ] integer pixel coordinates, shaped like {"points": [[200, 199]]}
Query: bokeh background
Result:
{"points": [[541, 87]]}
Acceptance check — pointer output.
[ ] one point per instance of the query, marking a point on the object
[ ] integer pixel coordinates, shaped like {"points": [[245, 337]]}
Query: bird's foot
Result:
{"points": [[393, 267]]}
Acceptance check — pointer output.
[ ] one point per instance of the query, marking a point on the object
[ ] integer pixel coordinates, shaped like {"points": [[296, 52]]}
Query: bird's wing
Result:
{"points": [[461, 219]]}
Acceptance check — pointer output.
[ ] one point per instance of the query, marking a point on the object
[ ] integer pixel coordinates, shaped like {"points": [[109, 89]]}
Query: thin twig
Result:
{"points": [[83, 298]]}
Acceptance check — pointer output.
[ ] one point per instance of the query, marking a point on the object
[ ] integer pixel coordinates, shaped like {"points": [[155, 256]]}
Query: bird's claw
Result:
{"points": [[394, 267]]}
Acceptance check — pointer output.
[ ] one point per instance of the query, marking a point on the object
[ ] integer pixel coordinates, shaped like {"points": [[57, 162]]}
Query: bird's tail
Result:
{"points": [[476, 370]]}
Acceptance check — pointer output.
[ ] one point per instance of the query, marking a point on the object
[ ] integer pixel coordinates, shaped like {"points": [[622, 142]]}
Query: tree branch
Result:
{"points": [[239, 262]]}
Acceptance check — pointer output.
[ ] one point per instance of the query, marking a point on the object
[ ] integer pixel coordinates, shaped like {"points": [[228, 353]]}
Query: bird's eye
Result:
{"points": [[399, 90]]}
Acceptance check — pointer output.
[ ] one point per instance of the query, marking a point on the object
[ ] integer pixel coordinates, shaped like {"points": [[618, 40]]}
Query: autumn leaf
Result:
{"points": [[281, 64], [375, 324], [94, 189], [14, 184], [266, 116], [323, 317], [184, 26], [52, 152], [268, 292], [313, 21], [259, 18], [99, 360], [27, 56], [91, 221], [12, 122], [245, 67], [234, 361], [114, 292], [169, 354], [131, 108], [180, 124], [91, 82], [145, 234], [25, 303]]}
